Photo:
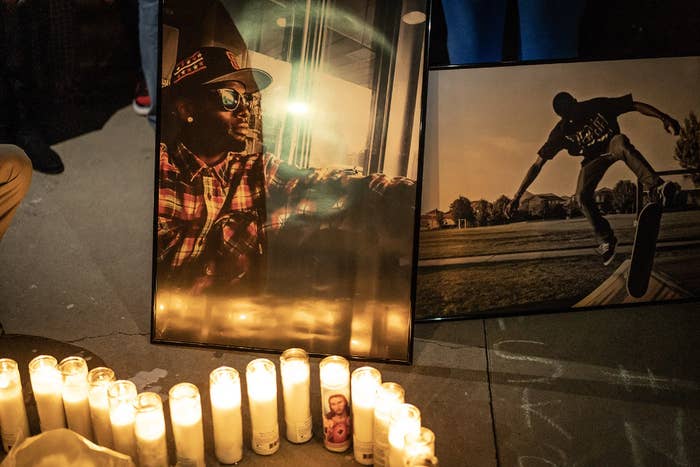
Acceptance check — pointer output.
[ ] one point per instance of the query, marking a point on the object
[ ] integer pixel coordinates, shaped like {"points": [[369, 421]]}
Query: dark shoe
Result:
{"points": [[607, 251], [44, 159]]}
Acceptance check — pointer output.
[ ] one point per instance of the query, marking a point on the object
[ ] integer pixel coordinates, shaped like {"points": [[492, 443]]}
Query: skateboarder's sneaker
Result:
{"points": [[664, 194], [607, 250]]}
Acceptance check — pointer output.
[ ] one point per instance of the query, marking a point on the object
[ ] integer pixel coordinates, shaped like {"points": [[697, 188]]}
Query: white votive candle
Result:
{"points": [[389, 395], [122, 396], [99, 380], [47, 385], [294, 367], [75, 395], [186, 419], [13, 414], [225, 394], [149, 430], [418, 445], [405, 419], [365, 382], [335, 403], [261, 383]]}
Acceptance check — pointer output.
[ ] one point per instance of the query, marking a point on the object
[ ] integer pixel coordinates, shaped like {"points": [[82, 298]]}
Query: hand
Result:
{"points": [[512, 207], [671, 125]]}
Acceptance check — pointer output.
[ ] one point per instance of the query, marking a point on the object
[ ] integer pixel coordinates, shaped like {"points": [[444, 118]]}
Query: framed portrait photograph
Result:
{"points": [[549, 187], [287, 176]]}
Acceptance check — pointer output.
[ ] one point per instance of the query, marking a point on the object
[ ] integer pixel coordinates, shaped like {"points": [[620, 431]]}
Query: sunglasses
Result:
{"points": [[232, 100]]}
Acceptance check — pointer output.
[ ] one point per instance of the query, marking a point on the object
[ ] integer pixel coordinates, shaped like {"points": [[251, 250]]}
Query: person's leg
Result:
{"points": [[15, 177], [588, 180], [148, 43], [622, 149]]}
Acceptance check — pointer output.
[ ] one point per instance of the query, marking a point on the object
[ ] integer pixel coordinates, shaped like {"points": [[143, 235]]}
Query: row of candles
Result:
{"points": [[382, 428]]}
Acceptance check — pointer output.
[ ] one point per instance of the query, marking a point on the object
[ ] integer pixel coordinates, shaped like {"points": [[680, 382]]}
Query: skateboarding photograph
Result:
{"points": [[556, 186]]}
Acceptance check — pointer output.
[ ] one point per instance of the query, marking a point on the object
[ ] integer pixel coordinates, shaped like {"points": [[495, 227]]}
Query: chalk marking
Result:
{"points": [[501, 324], [558, 367], [634, 436], [521, 460], [529, 408]]}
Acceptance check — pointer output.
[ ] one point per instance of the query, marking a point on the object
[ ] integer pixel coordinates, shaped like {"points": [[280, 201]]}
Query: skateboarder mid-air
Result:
{"points": [[590, 129]]}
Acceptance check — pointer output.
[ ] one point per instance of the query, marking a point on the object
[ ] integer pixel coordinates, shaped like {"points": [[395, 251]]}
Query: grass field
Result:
{"points": [[538, 284]]}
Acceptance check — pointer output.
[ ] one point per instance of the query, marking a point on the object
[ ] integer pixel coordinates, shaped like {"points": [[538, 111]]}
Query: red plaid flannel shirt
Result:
{"points": [[193, 210]]}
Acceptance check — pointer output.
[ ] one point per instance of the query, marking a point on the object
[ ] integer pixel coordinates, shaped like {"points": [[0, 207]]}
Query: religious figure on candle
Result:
{"points": [[337, 424]]}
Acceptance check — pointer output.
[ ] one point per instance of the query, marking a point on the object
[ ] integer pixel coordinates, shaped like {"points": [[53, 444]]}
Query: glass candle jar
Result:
{"points": [[186, 419], [225, 394], [294, 366], [75, 395], [99, 380], [149, 431], [335, 403], [261, 382], [389, 396], [365, 382], [122, 396], [13, 414], [47, 386]]}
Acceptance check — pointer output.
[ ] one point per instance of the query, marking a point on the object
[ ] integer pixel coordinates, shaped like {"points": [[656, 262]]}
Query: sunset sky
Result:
{"points": [[484, 126]]}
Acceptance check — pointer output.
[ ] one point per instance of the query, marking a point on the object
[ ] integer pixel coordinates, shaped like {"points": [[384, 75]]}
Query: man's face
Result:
{"points": [[337, 405], [227, 129]]}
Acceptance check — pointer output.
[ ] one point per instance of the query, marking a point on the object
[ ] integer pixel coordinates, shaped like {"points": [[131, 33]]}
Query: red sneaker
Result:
{"points": [[142, 101]]}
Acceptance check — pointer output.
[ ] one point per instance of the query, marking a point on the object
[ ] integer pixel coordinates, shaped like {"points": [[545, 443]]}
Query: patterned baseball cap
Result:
{"points": [[211, 65]]}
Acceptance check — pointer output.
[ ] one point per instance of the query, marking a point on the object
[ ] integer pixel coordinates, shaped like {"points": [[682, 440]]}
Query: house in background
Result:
{"points": [[431, 220], [543, 205]]}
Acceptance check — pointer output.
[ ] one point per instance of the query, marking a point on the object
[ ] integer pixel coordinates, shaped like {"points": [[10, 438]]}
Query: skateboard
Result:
{"points": [[643, 250]]}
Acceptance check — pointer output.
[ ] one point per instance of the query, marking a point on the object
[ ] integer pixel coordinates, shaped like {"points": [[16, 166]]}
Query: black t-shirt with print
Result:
{"points": [[590, 128]]}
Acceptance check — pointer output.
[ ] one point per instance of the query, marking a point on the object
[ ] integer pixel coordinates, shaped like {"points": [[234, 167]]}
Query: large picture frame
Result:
{"points": [[288, 175], [487, 126]]}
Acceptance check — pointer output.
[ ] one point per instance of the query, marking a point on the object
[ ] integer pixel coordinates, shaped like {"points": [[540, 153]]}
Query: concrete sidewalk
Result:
{"points": [[542, 255], [599, 388]]}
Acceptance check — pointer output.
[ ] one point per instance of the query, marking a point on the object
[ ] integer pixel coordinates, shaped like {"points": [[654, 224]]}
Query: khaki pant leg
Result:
{"points": [[15, 177]]}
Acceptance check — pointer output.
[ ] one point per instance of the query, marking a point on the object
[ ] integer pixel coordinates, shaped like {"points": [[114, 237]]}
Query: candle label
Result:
{"points": [[337, 422], [380, 452], [302, 431], [364, 451], [266, 442]]}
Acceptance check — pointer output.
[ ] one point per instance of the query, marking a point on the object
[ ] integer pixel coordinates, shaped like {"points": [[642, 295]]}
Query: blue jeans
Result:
{"points": [[148, 43]]}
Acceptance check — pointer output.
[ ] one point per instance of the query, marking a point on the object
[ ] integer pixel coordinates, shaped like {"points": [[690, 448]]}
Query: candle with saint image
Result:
{"points": [[405, 419], [365, 383], [418, 445], [186, 419], [99, 380], [122, 395], [13, 414], [261, 382], [47, 385], [294, 366], [225, 394], [389, 396], [75, 395], [149, 430], [335, 403]]}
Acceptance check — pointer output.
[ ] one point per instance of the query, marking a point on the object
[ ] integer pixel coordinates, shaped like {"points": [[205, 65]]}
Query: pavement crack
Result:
{"points": [[111, 334]]}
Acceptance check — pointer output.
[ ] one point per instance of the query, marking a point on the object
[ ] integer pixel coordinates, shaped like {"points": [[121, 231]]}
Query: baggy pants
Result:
{"points": [[15, 177], [619, 149]]}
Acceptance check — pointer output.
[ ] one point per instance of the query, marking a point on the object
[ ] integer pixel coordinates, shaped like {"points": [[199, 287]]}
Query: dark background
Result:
{"points": [[84, 60]]}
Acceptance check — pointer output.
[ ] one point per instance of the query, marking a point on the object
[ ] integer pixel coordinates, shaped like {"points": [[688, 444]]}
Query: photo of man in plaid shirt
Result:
{"points": [[219, 201]]}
